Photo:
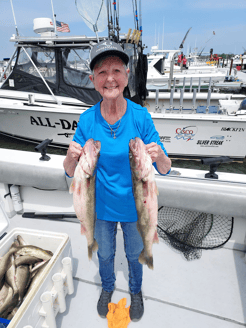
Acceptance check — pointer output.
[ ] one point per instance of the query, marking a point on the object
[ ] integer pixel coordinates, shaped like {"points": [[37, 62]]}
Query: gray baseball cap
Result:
{"points": [[107, 48]]}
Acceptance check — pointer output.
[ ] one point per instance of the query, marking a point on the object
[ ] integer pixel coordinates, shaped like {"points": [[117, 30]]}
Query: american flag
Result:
{"points": [[62, 27]]}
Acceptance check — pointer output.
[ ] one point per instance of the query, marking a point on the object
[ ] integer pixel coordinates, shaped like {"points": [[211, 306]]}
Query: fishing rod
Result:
{"points": [[140, 21], [199, 55], [117, 27], [182, 43], [113, 20], [206, 42]]}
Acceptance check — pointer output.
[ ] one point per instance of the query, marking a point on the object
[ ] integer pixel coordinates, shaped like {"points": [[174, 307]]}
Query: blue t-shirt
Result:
{"points": [[114, 190]]}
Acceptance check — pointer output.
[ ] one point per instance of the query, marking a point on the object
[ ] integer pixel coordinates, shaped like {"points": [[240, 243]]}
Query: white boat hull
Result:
{"points": [[188, 135], [182, 134]]}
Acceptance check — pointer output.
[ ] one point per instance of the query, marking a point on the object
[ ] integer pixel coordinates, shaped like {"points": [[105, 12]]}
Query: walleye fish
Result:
{"points": [[21, 241], [83, 189], [23, 276], [34, 251], [10, 276], [145, 194], [26, 259], [35, 279], [9, 303], [21, 269], [6, 262]]}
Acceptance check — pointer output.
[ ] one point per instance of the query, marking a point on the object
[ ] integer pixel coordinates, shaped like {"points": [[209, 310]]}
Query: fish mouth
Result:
{"points": [[134, 144], [97, 144]]}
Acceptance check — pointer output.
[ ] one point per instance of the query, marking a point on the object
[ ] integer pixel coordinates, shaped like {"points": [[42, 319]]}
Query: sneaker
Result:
{"points": [[102, 304], [137, 307]]}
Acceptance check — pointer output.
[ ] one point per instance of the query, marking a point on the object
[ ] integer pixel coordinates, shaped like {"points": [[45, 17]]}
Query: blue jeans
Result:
{"points": [[105, 235]]}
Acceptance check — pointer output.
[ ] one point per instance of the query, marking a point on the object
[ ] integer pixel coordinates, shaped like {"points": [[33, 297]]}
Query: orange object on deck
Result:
{"points": [[118, 315]]}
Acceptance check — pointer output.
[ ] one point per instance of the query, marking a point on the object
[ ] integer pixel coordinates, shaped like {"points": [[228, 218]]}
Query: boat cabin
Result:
{"points": [[60, 65]]}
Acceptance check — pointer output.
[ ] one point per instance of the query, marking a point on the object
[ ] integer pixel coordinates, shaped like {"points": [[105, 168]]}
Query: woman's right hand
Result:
{"points": [[73, 154], [74, 151]]}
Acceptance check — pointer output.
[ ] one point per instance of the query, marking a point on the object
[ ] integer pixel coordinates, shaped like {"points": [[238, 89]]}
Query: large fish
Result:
{"points": [[83, 189], [9, 303], [5, 262], [145, 194], [10, 276], [20, 269], [23, 276], [34, 251]]}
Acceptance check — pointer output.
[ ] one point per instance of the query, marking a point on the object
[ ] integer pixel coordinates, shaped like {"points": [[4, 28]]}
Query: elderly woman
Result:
{"points": [[114, 121]]}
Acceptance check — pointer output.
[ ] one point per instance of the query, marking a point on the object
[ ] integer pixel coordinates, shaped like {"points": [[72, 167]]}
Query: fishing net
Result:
{"points": [[190, 232]]}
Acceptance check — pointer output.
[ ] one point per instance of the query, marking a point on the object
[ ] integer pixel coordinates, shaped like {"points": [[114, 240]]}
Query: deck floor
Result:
{"points": [[209, 292]]}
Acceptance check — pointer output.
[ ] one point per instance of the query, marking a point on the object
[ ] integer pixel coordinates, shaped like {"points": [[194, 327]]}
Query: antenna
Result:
{"points": [[155, 33], [14, 18], [163, 35], [54, 17]]}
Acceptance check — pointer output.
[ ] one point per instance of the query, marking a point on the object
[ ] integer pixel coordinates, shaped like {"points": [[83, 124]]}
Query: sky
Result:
{"points": [[164, 22]]}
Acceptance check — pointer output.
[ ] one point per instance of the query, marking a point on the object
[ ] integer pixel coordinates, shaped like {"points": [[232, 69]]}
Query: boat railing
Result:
{"points": [[7, 66], [208, 109]]}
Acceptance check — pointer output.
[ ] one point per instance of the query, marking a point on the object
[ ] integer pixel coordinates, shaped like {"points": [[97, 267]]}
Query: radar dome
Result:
{"points": [[43, 25]]}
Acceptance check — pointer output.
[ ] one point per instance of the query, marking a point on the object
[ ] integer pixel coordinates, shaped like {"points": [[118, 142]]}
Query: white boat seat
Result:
{"points": [[26, 169]]}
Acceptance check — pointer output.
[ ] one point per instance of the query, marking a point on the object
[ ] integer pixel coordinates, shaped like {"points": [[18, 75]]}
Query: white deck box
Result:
{"points": [[54, 284]]}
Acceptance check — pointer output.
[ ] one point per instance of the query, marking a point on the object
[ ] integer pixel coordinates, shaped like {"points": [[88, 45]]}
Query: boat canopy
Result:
{"points": [[65, 68]]}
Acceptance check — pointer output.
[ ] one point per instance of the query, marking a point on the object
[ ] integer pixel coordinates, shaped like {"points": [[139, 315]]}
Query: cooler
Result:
{"points": [[47, 297]]}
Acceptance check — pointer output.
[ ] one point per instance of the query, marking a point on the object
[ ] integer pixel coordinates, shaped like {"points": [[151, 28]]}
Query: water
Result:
{"points": [[234, 167]]}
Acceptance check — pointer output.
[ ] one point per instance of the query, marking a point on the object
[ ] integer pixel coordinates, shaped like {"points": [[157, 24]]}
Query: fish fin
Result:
{"points": [[72, 187], [156, 238], [92, 248], [83, 229], [156, 190], [146, 260]]}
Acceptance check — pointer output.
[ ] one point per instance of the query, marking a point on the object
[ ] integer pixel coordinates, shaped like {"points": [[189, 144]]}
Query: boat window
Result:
{"points": [[76, 69], [159, 66], [44, 59]]}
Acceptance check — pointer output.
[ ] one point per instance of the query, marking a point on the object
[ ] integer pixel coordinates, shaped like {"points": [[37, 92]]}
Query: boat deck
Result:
{"points": [[209, 292]]}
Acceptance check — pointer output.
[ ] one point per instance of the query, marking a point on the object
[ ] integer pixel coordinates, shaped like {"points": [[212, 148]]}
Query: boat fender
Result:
{"points": [[16, 199]]}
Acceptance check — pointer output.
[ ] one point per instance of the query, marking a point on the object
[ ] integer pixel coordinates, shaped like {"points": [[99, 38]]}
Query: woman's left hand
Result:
{"points": [[154, 150]]}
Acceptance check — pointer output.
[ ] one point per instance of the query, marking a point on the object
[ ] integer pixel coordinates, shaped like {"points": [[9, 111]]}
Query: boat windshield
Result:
{"points": [[76, 68], [44, 60]]}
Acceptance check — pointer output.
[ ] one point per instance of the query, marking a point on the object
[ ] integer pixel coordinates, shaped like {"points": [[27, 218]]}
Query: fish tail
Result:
{"points": [[143, 259], [149, 262], [92, 248]]}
